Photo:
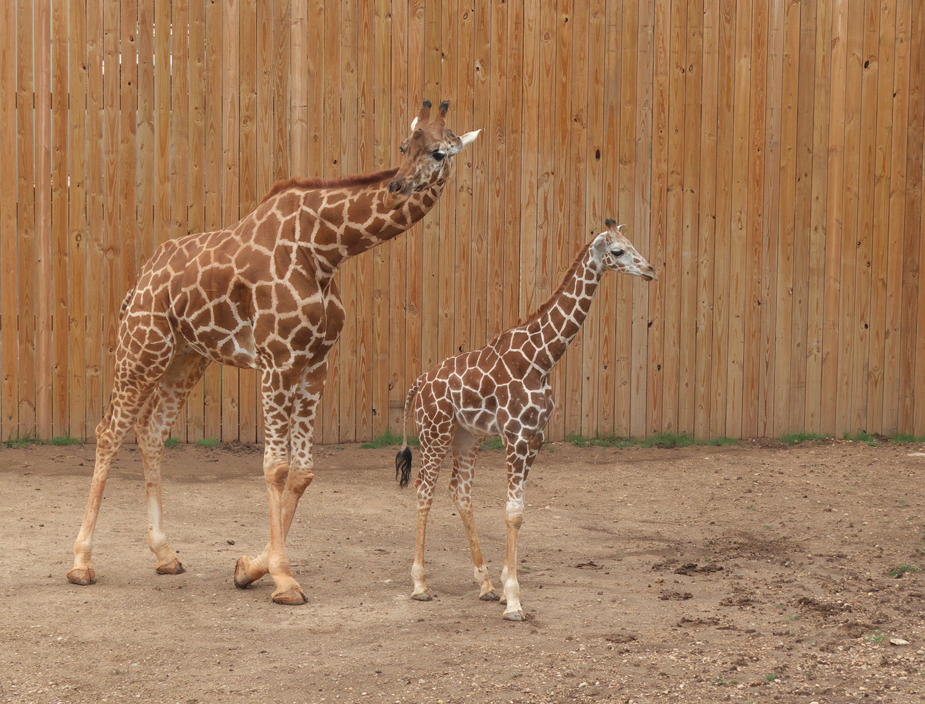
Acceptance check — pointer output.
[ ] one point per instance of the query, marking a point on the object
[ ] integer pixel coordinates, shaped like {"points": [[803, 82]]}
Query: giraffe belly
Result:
{"points": [[232, 349]]}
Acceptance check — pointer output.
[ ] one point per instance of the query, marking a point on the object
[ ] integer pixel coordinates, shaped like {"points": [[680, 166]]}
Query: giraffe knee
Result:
{"points": [[276, 475], [299, 479], [514, 514]]}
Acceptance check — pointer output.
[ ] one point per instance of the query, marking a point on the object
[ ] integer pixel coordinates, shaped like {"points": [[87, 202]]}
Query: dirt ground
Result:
{"points": [[706, 574]]}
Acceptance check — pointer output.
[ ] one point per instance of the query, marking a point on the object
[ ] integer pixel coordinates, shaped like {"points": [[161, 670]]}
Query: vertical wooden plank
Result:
{"points": [[195, 428], [817, 246], [834, 219], [348, 272], [641, 215], [546, 165], [578, 193], [563, 255], [230, 393], [95, 221], [692, 185], [739, 223], [43, 218], [333, 136], [427, 238], [617, 323], [398, 346], [77, 221], [449, 90], [866, 190], [128, 145], [721, 249], [880, 229], [481, 148], [382, 159], [851, 195], [912, 239], [752, 367], [59, 220], [707, 231], [9, 280], [593, 216], [26, 234], [212, 167], [892, 335], [249, 194], [496, 173], [520, 236], [771, 224], [163, 36], [674, 208], [286, 24], [788, 166], [365, 262], [145, 148], [181, 153], [802, 215]]}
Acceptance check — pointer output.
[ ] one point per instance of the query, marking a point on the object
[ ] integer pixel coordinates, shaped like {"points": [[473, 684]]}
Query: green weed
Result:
{"points": [[669, 440], [171, 442], [209, 442], [863, 436], [66, 440], [901, 570], [797, 438]]}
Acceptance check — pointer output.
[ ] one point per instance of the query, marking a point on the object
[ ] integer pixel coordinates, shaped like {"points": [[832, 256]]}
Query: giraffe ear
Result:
{"points": [[465, 140]]}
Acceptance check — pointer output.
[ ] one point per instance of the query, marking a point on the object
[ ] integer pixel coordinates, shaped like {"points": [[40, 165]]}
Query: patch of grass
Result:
{"points": [[901, 570], [906, 438], [66, 440], [387, 439], [772, 676], [863, 436], [209, 442], [668, 440], [875, 637], [767, 527], [22, 441], [495, 444], [797, 438], [171, 442], [793, 617], [719, 682]]}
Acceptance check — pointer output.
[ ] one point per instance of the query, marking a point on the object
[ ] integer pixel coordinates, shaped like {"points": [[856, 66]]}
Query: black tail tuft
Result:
{"points": [[403, 466]]}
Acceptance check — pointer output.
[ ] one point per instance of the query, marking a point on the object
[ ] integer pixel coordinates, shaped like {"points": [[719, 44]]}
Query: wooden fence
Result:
{"points": [[767, 156]]}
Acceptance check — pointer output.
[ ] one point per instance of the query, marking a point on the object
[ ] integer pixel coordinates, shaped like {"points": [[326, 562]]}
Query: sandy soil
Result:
{"points": [[748, 574]]}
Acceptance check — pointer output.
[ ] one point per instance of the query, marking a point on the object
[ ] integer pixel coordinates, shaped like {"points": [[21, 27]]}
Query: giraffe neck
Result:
{"points": [[561, 317], [350, 220]]}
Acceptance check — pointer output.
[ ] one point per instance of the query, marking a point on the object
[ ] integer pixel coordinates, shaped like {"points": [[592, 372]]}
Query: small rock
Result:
{"points": [[898, 641]]}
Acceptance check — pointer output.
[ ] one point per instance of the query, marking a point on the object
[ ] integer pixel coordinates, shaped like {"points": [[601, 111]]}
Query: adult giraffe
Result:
{"points": [[258, 294], [503, 389]]}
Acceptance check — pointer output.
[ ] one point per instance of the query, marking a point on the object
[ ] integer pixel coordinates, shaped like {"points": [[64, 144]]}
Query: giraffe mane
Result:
{"points": [[543, 309], [310, 184]]}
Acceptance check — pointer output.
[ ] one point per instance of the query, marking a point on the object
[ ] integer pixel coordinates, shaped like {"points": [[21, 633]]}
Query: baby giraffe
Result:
{"points": [[503, 389]]}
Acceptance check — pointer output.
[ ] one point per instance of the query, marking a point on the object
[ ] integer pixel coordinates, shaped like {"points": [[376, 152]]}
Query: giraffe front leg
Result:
{"points": [[520, 455], [300, 474]]}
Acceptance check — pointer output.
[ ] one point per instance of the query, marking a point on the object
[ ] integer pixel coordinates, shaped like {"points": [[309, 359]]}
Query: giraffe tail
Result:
{"points": [[403, 458]]}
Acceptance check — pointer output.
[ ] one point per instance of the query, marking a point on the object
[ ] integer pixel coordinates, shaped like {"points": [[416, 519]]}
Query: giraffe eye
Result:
{"points": [[438, 156], [617, 253]]}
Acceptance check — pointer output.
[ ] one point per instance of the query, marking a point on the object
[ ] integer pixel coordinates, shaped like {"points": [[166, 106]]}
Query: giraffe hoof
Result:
{"points": [[290, 597], [173, 567], [490, 596], [514, 616], [423, 596], [81, 577], [241, 579]]}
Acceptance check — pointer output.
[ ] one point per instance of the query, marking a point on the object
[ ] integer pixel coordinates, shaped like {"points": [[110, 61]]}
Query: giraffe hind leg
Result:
{"points": [[433, 450], [152, 429], [465, 448], [124, 406]]}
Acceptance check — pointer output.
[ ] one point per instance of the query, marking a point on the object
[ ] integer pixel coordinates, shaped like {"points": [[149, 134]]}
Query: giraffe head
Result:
{"points": [[616, 252], [428, 155]]}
